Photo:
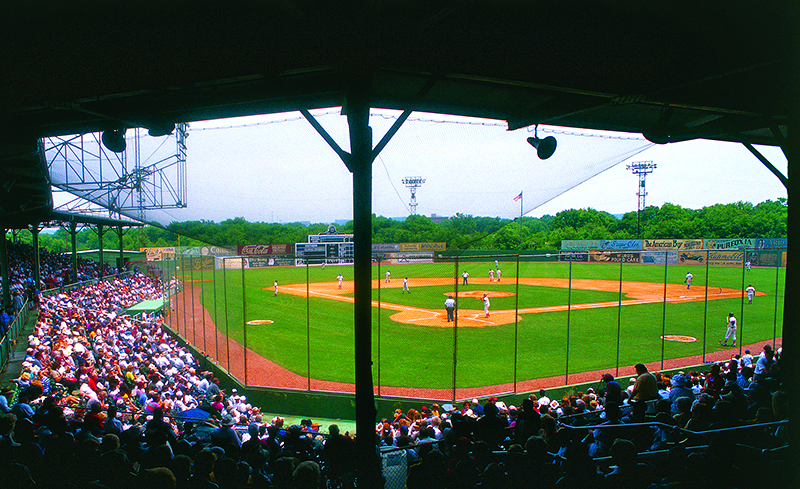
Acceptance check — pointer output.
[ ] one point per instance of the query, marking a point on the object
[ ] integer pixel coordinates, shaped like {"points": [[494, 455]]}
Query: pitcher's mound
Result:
{"points": [[467, 318], [680, 338]]}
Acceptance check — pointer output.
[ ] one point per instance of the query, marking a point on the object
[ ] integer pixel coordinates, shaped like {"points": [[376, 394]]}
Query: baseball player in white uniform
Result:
{"points": [[405, 286], [491, 275], [340, 278], [465, 276], [731, 330], [388, 276], [276, 288], [751, 291], [450, 306], [486, 304], [747, 265], [498, 274], [689, 278]]}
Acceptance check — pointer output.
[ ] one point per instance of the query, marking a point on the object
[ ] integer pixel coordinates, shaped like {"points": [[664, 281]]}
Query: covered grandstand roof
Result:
{"points": [[718, 70], [676, 71]]}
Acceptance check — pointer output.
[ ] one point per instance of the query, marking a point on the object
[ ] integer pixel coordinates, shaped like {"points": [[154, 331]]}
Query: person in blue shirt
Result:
{"points": [[5, 321], [6, 394]]}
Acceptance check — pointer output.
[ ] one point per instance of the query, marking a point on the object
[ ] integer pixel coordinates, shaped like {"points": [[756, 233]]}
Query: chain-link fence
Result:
{"points": [[466, 326]]}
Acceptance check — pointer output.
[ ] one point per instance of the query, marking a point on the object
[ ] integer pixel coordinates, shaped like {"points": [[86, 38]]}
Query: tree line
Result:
{"points": [[738, 220]]}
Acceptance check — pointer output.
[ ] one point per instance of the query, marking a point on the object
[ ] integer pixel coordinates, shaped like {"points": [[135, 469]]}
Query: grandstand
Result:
{"points": [[726, 74]]}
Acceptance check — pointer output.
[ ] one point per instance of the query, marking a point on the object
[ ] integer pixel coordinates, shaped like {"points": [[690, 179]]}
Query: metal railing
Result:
{"points": [[8, 342], [91, 281], [225, 307], [396, 461]]}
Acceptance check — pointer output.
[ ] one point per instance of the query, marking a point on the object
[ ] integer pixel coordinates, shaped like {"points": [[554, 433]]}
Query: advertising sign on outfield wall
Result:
{"points": [[576, 256], [159, 253], [270, 261], [615, 256], [672, 244], [580, 244], [689, 257], [202, 263], [432, 246], [764, 258], [263, 249], [383, 247], [409, 257], [621, 244], [730, 243], [768, 243], [234, 263], [659, 257], [726, 258]]}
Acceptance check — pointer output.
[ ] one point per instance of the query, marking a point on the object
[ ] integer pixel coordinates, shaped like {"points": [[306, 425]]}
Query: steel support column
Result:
{"points": [[73, 233], [360, 164], [790, 358], [121, 249], [100, 232], [37, 265]]}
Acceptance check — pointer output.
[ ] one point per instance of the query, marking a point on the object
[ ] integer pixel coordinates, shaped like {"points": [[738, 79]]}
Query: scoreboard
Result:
{"points": [[329, 247]]}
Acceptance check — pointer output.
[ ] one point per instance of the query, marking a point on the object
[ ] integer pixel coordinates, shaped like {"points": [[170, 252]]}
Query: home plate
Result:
{"points": [[255, 322]]}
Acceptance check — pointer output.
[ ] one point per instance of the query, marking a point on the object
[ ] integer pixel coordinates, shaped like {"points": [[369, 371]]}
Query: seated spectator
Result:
{"points": [[6, 395], [645, 388], [226, 437], [628, 473], [681, 387], [600, 439]]}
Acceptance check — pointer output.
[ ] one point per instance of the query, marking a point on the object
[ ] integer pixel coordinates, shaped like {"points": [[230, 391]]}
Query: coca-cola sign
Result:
{"points": [[262, 249]]}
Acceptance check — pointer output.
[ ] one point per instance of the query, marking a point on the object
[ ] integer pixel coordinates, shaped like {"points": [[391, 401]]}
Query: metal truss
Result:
{"points": [[150, 174]]}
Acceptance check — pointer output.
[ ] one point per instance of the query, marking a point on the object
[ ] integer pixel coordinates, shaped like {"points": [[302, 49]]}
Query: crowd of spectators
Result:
{"points": [[562, 442], [55, 269], [107, 400]]}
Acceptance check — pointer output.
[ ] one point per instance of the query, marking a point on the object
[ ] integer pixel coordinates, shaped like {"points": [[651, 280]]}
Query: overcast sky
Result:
{"points": [[276, 168]]}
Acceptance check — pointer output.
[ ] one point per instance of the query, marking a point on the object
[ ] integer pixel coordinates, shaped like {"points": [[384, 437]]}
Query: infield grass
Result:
{"points": [[422, 356]]}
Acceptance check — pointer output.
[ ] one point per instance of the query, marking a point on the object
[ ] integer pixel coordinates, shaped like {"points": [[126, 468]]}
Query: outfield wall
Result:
{"points": [[557, 319]]}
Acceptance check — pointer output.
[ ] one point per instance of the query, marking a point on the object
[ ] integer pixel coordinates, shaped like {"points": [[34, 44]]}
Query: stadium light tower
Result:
{"points": [[413, 183], [641, 168]]}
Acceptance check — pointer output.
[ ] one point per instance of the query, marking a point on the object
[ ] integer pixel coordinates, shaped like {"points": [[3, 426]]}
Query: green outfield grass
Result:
{"points": [[422, 356]]}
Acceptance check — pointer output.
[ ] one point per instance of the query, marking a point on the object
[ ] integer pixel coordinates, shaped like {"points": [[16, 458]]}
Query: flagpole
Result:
{"points": [[520, 221]]}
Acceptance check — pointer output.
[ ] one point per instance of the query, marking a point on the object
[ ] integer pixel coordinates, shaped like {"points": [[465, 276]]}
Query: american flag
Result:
{"points": [[518, 197]]}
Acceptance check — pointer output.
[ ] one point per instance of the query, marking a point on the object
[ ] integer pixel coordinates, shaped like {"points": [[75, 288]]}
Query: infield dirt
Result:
{"points": [[257, 370]]}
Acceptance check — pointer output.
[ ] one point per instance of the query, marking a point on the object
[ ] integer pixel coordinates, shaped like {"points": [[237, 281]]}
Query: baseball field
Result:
{"points": [[546, 319]]}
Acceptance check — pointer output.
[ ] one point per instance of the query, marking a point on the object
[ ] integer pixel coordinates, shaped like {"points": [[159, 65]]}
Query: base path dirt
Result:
{"points": [[196, 325], [636, 293]]}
